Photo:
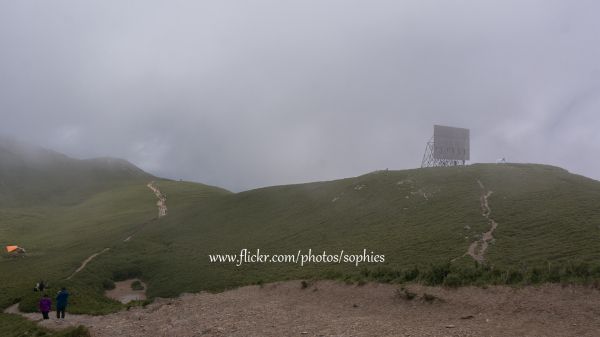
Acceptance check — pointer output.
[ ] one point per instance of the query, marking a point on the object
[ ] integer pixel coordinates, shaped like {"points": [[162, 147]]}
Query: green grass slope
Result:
{"points": [[422, 220], [31, 175], [62, 210], [419, 219]]}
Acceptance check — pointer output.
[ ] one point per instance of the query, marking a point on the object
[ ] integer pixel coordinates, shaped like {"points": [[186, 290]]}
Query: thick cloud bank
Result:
{"points": [[243, 94]]}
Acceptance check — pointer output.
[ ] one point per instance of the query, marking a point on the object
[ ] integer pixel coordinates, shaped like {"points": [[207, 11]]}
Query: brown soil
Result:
{"points": [[13, 309], [124, 294], [328, 308]]}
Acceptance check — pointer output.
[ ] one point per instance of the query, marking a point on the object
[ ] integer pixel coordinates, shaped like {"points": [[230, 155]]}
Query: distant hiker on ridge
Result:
{"points": [[61, 302], [40, 286], [45, 306]]}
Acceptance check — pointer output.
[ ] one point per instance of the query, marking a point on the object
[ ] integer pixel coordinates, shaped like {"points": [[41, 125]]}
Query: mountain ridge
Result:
{"points": [[423, 221], [31, 174]]}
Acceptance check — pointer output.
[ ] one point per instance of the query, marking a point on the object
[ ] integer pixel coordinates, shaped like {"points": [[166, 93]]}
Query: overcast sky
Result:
{"points": [[244, 94]]}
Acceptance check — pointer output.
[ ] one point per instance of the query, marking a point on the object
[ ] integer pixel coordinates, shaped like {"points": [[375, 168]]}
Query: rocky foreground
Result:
{"points": [[328, 308]]}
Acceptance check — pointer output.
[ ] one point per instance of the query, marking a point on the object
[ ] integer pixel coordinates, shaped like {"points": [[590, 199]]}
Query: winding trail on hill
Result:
{"points": [[162, 211], [162, 199], [162, 208], [86, 261], [127, 294], [477, 249]]}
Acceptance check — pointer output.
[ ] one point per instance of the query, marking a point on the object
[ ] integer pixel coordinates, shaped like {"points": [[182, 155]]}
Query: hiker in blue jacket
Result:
{"points": [[61, 302]]}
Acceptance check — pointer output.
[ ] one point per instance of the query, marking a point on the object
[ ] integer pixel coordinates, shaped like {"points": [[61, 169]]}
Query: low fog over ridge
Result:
{"points": [[243, 95]]}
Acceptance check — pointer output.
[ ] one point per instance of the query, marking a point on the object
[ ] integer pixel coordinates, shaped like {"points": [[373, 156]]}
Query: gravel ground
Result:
{"points": [[328, 308]]}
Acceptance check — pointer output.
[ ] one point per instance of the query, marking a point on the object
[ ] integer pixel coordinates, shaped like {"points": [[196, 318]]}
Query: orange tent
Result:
{"points": [[11, 249]]}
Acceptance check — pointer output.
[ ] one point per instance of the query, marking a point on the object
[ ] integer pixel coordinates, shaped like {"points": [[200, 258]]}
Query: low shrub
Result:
{"points": [[108, 284], [137, 285], [453, 280], [436, 274]]}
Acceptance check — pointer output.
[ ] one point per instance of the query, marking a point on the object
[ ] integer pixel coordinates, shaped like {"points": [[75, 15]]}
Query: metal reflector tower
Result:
{"points": [[448, 147]]}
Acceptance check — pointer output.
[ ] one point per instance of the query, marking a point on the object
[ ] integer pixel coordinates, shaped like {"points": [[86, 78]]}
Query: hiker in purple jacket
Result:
{"points": [[45, 305]]}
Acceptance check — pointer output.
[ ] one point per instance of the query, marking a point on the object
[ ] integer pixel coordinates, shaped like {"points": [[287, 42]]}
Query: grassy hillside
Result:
{"points": [[31, 175], [61, 210], [422, 220]]}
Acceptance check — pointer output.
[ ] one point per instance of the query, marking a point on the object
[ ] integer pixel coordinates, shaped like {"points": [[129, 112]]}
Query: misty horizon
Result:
{"points": [[244, 95], [23, 142]]}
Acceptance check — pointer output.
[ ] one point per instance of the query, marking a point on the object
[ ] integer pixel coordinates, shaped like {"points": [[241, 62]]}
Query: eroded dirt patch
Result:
{"points": [[125, 294]]}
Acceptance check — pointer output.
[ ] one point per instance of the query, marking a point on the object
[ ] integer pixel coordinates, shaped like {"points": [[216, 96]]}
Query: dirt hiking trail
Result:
{"points": [[162, 211], [86, 261], [328, 308], [162, 199], [477, 249]]}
